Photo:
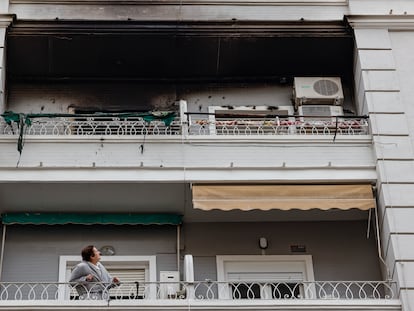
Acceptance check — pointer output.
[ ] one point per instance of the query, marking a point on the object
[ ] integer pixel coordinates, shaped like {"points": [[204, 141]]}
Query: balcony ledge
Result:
{"points": [[172, 305], [360, 139]]}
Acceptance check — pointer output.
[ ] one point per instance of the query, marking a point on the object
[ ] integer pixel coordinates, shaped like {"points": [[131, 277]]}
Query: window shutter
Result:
{"points": [[132, 282]]}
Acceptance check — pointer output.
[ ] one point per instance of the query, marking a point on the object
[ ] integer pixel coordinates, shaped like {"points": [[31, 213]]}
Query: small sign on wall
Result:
{"points": [[298, 248]]}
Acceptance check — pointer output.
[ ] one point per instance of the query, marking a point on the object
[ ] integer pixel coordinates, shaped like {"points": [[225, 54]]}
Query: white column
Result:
{"points": [[379, 94]]}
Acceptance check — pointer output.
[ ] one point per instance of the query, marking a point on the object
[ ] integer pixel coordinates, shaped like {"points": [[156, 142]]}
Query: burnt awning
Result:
{"points": [[167, 50]]}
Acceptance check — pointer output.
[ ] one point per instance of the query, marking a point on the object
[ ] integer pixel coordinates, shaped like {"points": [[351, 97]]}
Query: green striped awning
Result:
{"points": [[90, 219]]}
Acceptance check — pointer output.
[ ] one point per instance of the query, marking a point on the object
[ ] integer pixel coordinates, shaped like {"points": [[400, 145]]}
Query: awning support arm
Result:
{"points": [[379, 248], [369, 222]]}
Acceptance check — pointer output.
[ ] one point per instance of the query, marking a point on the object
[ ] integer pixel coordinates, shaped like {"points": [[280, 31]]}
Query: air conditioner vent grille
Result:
{"points": [[325, 87]]}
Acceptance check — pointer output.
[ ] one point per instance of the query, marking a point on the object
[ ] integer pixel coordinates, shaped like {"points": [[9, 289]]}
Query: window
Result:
{"points": [[133, 271], [264, 277]]}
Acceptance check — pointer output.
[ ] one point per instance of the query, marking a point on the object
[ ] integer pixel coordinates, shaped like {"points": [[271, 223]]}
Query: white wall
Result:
{"points": [[340, 250], [32, 252]]}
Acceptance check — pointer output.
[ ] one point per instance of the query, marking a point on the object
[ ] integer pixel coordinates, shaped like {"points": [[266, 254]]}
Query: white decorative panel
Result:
{"points": [[399, 220], [372, 39], [407, 294], [405, 273], [376, 59], [396, 171], [403, 246], [380, 80], [399, 249], [389, 124], [384, 102], [397, 195], [393, 147]]}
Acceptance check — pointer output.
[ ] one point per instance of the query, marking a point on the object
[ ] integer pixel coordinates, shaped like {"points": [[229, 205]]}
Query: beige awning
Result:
{"points": [[283, 197]]}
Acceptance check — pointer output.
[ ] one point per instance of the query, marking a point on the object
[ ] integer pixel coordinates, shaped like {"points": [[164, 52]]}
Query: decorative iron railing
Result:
{"points": [[201, 290], [287, 125], [85, 126], [126, 126]]}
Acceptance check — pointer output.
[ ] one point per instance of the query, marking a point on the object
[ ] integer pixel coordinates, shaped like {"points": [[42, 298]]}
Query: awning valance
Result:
{"points": [[90, 219], [283, 197]]}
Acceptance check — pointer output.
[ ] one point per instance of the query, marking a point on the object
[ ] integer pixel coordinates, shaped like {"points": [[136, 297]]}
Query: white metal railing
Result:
{"points": [[78, 125], [200, 290], [117, 126], [292, 125]]}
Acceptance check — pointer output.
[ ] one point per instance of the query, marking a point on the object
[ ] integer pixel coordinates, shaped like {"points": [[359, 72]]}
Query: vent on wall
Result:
{"points": [[317, 91]]}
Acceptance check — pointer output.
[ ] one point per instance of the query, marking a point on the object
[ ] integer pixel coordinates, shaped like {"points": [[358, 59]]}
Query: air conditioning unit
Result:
{"points": [[318, 91], [319, 112]]}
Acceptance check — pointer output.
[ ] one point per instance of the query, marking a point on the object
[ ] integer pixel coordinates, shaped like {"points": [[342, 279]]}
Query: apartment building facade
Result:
{"points": [[220, 154]]}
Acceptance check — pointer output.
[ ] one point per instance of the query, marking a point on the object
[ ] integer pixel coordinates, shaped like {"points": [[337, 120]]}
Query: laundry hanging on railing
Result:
{"points": [[21, 120]]}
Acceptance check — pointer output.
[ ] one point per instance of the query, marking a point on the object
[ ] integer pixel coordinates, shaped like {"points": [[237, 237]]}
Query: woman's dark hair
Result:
{"points": [[87, 252]]}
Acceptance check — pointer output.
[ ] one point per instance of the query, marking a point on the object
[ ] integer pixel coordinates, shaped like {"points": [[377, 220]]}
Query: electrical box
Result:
{"points": [[170, 284]]}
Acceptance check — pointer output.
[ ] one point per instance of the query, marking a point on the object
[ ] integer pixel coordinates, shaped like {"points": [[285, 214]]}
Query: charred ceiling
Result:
{"points": [[62, 50]]}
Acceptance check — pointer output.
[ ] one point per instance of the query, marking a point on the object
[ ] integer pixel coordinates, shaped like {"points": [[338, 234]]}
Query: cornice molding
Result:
{"points": [[186, 2], [6, 20], [392, 22]]}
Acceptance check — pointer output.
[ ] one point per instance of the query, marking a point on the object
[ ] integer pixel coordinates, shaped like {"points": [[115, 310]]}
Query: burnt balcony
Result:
{"points": [[193, 124]]}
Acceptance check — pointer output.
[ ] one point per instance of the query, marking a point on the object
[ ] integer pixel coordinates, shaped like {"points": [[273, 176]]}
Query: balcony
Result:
{"points": [[178, 146], [206, 295], [167, 124]]}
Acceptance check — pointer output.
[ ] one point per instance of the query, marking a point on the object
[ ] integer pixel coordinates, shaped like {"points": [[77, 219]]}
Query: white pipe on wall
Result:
{"points": [[178, 248], [3, 241]]}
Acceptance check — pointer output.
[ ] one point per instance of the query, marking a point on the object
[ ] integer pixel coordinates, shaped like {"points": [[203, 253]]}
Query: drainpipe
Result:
{"points": [[3, 241], [178, 248]]}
